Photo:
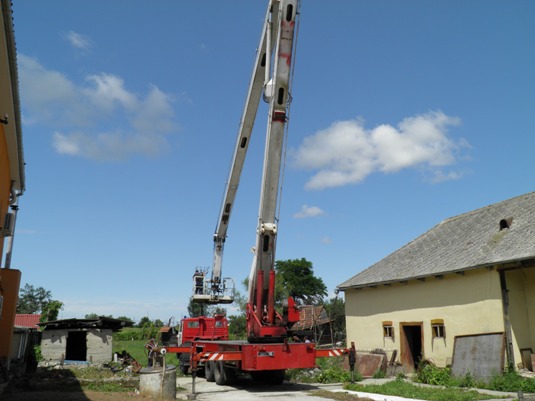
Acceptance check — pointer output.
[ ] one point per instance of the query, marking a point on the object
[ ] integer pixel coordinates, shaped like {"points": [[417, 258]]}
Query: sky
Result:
{"points": [[403, 114]]}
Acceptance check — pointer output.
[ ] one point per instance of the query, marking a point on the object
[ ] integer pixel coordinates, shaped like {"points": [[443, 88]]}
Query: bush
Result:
{"points": [[510, 381], [130, 334], [330, 370], [37, 353], [429, 374]]}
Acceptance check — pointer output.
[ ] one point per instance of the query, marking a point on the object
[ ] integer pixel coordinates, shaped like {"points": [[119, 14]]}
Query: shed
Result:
{"points": [[313, 323], [80, 340]]}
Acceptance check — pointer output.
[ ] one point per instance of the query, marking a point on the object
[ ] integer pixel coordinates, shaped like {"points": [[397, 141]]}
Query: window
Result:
{"points": [[438, 329], [388, 330], [193, 325]]}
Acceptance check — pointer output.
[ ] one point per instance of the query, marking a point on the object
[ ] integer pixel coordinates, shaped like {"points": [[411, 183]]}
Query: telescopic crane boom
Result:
{"points": [[276, 48], [263, 81]]}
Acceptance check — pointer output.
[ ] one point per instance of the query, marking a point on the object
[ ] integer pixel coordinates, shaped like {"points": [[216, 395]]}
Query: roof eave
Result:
{"points": [[14, 124], [507, 264]]}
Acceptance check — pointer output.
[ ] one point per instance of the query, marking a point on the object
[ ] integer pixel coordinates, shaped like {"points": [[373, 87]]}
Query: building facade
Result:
{"points": [[12, 182], [79, 340], [470, 276]]}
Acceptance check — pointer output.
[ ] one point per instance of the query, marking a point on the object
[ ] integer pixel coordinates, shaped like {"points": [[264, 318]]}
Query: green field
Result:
{"points": [[136, 348]]}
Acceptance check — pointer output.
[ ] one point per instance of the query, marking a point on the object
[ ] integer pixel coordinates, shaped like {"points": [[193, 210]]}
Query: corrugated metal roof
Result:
{"points": [[475, 239], [27, 320], [97, 322]]}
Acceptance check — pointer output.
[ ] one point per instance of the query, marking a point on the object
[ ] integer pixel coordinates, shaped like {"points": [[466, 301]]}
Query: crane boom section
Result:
{"points": [[254, 94], [278, 93]]}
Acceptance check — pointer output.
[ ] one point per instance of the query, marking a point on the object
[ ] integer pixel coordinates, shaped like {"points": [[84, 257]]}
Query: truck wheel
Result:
{"points": [[209, 371], [183, 363], [231, 375], [269, 376], [275, 376], [219, 373], [184, 369]]}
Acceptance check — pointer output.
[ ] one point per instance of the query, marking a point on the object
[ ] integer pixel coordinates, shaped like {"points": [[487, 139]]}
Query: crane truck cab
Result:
{"points": [[200, 328]]}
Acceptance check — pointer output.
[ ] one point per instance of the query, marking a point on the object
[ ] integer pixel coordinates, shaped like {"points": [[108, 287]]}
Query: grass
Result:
{"points": [[136, 348], [508, 381], [405, 389]]}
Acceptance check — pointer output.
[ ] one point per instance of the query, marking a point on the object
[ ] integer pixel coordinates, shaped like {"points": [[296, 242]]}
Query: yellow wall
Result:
{"points": [[468, 304], [521, 292]]}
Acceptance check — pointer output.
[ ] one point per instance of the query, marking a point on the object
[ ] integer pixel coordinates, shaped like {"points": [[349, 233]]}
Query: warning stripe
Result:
{"points": [[215, 357], [333, 352], [218, 356]]}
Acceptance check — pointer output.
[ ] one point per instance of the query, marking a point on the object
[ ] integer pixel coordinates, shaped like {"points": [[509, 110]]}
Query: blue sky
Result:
{"points": [[403, 114]]}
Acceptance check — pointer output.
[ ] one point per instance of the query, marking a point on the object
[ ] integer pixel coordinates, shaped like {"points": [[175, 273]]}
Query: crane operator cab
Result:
{"points": [[211, 291]]}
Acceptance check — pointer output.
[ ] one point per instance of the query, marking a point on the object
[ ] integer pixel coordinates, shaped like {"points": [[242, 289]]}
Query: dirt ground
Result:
{"points": [[62, 385], [83, 395]]}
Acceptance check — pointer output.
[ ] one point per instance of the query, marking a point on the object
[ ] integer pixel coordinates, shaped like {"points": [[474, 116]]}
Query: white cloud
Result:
{"points": [[326, 240], [308, 211], [346, 152], [129, 124], [79, 41]]}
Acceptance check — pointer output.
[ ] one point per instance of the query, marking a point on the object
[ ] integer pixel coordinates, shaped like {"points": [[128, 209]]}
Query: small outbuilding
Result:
{"points": [[314, 323], [80, 340]]}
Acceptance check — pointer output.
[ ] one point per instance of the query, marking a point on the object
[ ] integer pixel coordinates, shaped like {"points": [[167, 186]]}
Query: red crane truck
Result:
{"points": [[269, 349]]}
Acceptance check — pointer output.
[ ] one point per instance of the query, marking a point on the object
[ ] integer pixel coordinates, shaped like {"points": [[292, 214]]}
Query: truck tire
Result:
{"points": [[183, 363], [219, 373], [275, 376], [184, 369], [269, 376], [231, 375], [209, 371]]}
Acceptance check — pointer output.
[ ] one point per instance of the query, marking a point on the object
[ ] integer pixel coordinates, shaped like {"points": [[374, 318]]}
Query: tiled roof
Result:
{"points": [[500, 233], [27, 320], [310, 316]]}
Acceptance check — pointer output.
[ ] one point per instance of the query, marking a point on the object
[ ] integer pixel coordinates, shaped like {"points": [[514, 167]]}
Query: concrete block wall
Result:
{"points": [[99, 345]]}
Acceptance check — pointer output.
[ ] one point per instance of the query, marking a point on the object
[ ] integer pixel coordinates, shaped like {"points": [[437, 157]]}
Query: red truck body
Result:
{"points": [[203, 328]]}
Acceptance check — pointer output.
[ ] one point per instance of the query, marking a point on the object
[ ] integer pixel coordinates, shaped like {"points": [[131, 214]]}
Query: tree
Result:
{"points": [[237, 323], [96, 316], [196, 309], [125, 318], [237, 327], [335, 308], [295, 278], [143, 321], [32, 300], [50, 311]]}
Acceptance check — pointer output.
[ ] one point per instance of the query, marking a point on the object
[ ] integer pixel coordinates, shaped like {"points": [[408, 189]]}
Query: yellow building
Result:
{"points": [[12, 183], [468, 279]]}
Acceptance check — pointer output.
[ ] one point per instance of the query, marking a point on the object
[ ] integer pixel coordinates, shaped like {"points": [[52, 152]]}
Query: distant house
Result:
{"points": [[29, 320], [469, 280], [313, 323], [25, 337], [80, 340]]}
